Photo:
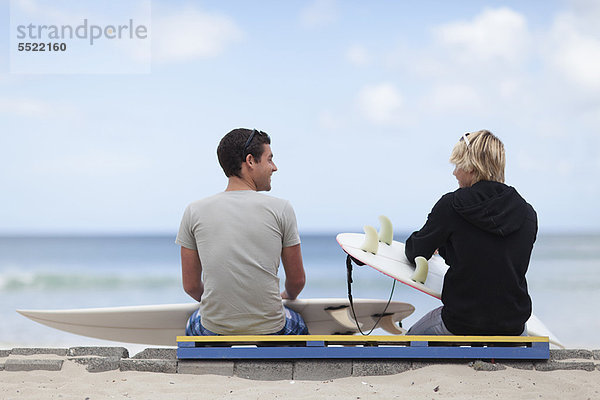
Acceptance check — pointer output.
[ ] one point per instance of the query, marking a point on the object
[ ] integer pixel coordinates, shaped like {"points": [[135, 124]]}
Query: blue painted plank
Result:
{"points": [[537, 351]]}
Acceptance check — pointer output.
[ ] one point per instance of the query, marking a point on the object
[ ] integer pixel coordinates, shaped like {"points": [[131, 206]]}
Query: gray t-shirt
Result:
{"points": [[239, 236]]}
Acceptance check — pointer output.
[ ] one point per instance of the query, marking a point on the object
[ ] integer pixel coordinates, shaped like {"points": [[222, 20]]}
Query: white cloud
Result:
{"points": [[381, 104], [319, 13], [191, 34], [587, 13], [358, 55], [495, 35], [448, 97], [471, 65], [575, 51]]}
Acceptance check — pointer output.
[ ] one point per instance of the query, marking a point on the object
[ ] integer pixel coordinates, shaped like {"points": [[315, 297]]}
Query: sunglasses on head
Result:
{"points": [[466, 138], [254, 132]]}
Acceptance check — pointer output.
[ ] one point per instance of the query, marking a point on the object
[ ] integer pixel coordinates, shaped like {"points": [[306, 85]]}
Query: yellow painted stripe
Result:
{"points": [[366, 339]]}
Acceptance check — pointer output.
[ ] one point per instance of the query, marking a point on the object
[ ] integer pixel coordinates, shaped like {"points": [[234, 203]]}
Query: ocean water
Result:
{"points": [[77, 272]]}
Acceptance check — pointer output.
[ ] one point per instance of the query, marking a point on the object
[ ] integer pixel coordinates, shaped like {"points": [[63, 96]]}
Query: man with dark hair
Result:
{"points": [[232, 243]]}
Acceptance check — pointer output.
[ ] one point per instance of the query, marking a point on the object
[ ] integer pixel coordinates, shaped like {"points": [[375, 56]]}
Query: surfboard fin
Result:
{"points": [[388, 324], [371, 243], [386, 233], [342, 316], [420, 274]]}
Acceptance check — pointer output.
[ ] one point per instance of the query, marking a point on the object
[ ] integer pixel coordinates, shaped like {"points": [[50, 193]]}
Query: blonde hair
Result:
{"points": [[481, 152]]}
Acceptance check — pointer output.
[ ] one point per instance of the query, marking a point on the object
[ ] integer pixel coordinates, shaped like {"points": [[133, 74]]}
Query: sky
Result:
{"points": [[363, 102]]}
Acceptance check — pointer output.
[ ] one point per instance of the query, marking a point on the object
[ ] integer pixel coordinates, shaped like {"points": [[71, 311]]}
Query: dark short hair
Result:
{"points": [[231, 152]]}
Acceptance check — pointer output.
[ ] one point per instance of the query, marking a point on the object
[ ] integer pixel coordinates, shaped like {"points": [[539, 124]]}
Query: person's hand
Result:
{"points": [[284, 295]]}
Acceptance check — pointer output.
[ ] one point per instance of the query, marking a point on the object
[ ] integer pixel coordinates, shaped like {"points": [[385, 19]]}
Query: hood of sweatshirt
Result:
{"points": [[491, 206]]}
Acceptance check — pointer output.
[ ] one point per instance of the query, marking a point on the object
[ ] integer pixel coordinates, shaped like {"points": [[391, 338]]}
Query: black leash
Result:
{"points": [[349, 278]]}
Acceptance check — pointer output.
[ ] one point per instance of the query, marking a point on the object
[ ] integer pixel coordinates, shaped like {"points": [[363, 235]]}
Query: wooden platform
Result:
{"points": [[354, 346]]}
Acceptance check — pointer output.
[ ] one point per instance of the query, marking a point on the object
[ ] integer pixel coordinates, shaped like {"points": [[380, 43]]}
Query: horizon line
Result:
{"points": [[159, 233]]}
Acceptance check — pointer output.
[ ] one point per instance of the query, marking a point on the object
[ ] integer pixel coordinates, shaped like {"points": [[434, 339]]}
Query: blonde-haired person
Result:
{"points": [[485, 231]]}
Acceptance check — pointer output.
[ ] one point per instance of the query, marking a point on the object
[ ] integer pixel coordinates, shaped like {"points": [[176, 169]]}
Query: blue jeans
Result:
{"points": [[432, 324], [294, 325]]}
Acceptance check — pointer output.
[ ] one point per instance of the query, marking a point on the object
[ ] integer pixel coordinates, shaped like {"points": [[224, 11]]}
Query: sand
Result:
{"points": [[432, 382]]}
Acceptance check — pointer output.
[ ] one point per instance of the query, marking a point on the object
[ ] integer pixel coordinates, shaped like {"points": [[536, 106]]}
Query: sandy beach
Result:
{"points": [[431, 382], [575, 377]]}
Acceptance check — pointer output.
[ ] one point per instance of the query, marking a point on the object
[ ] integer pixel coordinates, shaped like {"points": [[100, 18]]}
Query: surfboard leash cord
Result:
{"points": [[349, 280]]}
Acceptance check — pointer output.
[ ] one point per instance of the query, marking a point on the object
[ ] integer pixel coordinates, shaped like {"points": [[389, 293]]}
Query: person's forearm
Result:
{"points": [[295, 277], [191, 273], [293, 289], [195, 291]]}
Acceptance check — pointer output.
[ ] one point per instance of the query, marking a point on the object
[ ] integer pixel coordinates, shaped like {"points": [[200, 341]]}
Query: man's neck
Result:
{"points": [[237, 183]]}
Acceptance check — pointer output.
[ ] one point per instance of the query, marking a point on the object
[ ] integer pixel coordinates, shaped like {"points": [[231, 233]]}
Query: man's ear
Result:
{"points": [[250, 160]]}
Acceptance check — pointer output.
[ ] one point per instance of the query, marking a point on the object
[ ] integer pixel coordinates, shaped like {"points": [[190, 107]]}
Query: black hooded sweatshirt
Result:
{"points": [[485, 233]]}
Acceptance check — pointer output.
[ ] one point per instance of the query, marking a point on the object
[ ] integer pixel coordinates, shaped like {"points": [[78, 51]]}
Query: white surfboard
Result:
{"points": [[391, 260], [161, 324]]}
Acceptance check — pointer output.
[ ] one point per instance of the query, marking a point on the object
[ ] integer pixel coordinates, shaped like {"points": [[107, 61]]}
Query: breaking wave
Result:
{"points": [[47, 280]]}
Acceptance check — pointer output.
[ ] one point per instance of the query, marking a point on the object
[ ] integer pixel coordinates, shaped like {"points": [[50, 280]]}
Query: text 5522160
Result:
{"points": [[49, 46]]}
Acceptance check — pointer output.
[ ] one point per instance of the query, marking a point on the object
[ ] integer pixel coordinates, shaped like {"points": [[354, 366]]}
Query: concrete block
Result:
{"points": [[264, 370], [318, 370], [596, 354], [164, 366], [560, 366], [111, 352], [486, 366], [102, 364], [568, 354], [195, 367], [19, 364], [81, 360], [518, 364], [97, 364], [379, 367], [33, 351], [4, 353], [157, 354]]}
